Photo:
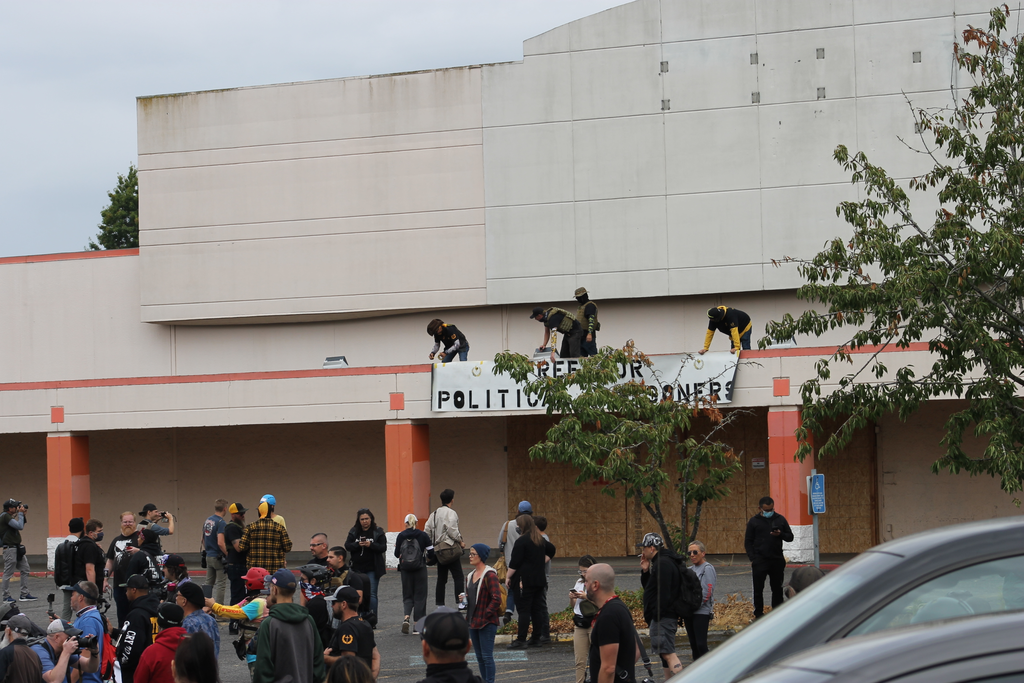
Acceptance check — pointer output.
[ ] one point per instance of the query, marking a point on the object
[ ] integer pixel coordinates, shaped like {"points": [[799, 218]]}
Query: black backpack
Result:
{"points": [[64, 563], [690, 594], [411, 555]]}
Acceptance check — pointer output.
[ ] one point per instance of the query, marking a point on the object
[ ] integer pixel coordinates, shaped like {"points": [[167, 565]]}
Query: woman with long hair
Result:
{"points": [[529, 556], [350, 670], [366, 546], [483, 608], [414, 574], [195, 660]]}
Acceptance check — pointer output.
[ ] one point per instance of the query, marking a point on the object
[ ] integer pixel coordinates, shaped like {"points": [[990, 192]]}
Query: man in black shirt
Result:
{"points": [[445, 635], [343, 575], [449, 340], [613, 641], [318, 546], [556, 320], [353, 637], [234, 564], [763, 542]]}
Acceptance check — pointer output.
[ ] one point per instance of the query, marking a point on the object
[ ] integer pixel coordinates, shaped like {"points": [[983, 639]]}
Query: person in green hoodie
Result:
{"points": [[288, 646]]}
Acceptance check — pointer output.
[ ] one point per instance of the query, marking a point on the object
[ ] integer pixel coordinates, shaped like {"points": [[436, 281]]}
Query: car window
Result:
{"points": [[984, 588], [734, 657]]}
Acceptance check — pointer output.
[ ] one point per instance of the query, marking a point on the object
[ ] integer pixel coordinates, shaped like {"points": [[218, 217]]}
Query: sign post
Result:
{"points": [[816, 503]]}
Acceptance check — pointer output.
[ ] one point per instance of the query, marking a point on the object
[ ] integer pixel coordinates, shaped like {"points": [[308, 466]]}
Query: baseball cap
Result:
{"points": [[444, 629], [136, 581], [269, 499], [652, 539], [147, 508], [61, 626], [192, 592], [19, 623], [284, 579], [173, 560], [524, 506], [169, 615], [237, 509], [347, 594], [536, 311]]}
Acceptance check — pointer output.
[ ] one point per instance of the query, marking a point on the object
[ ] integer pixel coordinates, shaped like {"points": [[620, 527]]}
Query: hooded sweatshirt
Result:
{"points": [[288, 647], [661, 586], [136, 634], [155, 663], [455, 672]]}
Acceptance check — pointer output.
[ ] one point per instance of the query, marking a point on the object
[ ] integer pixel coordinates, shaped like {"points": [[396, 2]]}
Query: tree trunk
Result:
{"points": [[655, 512], [696, 523]]}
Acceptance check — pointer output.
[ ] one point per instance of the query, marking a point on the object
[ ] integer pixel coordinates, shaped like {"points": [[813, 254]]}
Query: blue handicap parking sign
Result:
{"points": [[817, 494]]}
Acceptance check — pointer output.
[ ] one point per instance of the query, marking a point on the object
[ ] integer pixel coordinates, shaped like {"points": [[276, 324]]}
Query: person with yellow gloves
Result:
{"points": [[730, 321]]}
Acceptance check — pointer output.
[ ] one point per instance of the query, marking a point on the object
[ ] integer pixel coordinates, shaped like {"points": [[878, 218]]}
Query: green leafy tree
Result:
{"points": [[119, 228], [954, 280], [625, 434]]}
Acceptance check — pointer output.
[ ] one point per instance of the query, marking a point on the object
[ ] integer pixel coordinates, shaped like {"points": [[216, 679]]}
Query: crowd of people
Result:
{"points": [[317, 622]]}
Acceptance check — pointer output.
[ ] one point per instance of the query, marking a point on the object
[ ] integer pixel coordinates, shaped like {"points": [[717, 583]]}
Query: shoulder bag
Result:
{"points": [[448, 551]]}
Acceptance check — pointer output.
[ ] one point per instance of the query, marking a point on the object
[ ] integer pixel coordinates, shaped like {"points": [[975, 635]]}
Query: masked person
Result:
{"points": [[451, 338], [766, 531], [313, 578], [587, 315], [557, 320]]}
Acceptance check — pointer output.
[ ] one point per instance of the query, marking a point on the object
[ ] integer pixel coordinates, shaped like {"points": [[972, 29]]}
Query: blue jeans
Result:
{"points": [[745, 340], [483, 645], [374, 581], [463, 353], [510, 603]]}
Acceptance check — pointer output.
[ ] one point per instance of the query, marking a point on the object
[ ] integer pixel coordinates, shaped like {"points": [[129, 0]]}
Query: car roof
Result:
{"points": [[896, 652], [987, 531]]}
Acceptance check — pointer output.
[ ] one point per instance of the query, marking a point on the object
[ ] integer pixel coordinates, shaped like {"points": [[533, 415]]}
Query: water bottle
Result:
{"points": [[462, 601]]}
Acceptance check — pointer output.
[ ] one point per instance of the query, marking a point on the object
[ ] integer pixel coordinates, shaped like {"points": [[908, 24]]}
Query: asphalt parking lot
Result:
{"points": [[401, 660]]}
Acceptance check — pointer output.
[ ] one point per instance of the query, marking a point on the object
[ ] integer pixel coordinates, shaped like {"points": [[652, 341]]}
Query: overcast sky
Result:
{"points": [[70, 73]]}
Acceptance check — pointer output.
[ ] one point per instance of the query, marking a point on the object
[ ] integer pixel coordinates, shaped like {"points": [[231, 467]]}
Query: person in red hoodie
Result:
{"points": [[155, 663]]}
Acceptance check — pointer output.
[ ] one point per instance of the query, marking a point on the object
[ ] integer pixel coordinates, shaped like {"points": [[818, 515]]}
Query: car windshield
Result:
{"points": [[731, 659]]}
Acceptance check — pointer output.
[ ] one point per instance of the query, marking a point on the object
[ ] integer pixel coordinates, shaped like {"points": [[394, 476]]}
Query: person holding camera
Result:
{"points": [[61, 653], [581, 621], [12, 522], [766, 532], [88, 618], [150, 516], [366, 545]]}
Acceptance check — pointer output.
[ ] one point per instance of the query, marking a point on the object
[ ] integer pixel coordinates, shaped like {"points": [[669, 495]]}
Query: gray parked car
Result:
{"points": [[946, 573], [987, 648]]}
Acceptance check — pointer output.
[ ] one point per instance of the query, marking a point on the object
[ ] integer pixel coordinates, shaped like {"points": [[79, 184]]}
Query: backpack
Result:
{"points": [[109, 655], [690, 594], [411, 555], [64, 563]]}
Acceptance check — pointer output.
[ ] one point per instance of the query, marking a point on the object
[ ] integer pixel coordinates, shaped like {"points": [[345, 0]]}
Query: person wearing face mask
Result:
{"points": [[766, 531], [587, 315], [86, 558]]}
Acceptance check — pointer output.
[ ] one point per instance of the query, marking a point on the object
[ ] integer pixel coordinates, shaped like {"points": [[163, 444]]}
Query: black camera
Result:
{"points": [[87, 642]]}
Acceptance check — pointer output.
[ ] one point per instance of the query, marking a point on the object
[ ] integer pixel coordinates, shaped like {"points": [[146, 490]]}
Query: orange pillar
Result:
{"points": [[787, 478], [67, 480], [407, 453]]}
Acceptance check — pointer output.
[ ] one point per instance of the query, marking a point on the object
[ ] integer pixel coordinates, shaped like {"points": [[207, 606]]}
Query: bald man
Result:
{"points": [[613, 640]]}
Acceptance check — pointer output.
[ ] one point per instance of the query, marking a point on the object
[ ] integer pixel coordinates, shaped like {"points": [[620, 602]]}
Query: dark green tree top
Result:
{"points": [[119, 228], [953, 281]]}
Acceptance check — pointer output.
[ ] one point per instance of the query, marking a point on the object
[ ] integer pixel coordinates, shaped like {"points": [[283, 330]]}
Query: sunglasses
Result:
{"points": [[693, 552]]}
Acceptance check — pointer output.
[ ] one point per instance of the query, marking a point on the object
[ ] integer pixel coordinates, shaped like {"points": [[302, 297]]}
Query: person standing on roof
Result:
{"points": [[557, 320], [730, 321], [587, 315], [448, 337]]}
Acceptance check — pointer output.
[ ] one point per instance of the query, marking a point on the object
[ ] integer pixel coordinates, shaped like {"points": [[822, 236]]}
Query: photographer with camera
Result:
{"points": [[149, 517], [90, 620], [62, 651], [19, 663], [12, 521]]}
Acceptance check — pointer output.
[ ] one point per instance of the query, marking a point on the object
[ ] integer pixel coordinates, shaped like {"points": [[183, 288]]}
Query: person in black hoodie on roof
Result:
{"points": [[766, 532], [139, 626]]}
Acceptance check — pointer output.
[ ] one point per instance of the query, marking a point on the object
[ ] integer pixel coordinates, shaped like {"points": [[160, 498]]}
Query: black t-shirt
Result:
{"points": [[354, 635], [233, 532], [322, 617], [114, 553], [528, 561], [614, 624], [88, 553], [322, 561]]}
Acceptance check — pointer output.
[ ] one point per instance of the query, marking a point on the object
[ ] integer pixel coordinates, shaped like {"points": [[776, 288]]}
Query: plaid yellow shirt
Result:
{"points": [[267, 543]]}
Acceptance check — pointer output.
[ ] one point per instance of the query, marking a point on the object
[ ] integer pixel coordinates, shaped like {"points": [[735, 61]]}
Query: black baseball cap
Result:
{"points": [[147, 508], [347, 594], [444, 629], [169, 615], [193, 593], [537, 311], [136, 581]]}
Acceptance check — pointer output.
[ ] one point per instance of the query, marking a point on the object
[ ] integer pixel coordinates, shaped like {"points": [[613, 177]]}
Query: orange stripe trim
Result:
{"points": [[381, 370], [69, 256], [227, 377]]}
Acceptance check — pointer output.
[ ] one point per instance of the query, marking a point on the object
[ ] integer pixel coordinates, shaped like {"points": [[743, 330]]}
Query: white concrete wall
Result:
{"points": [[312, 200]]}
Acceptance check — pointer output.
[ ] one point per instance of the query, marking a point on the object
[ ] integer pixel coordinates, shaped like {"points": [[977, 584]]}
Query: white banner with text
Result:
{"points": [[472, 386]]}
